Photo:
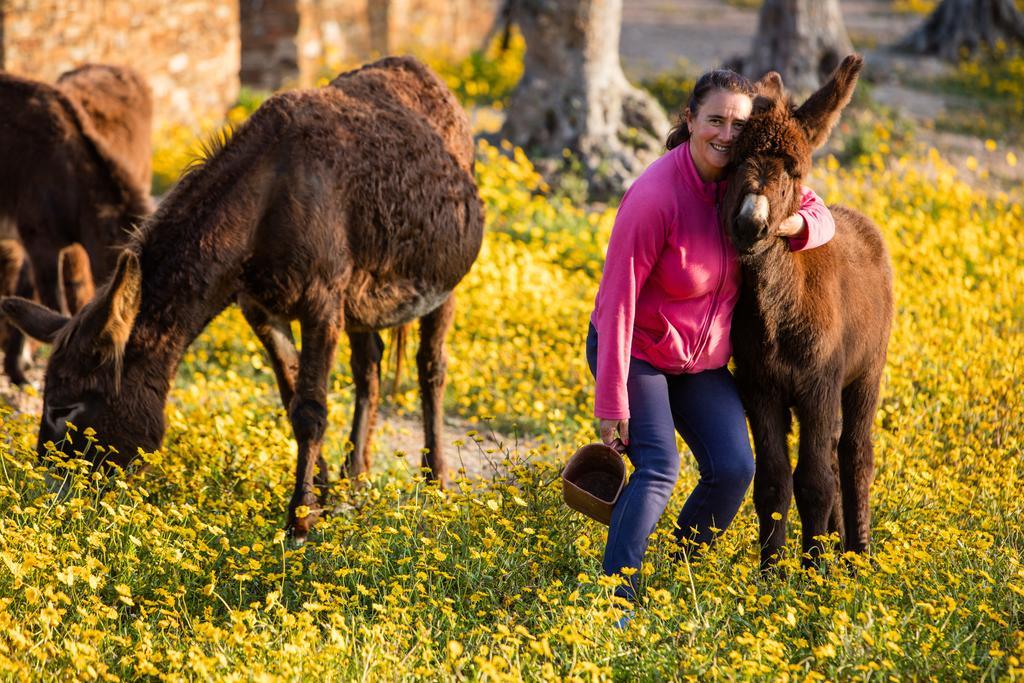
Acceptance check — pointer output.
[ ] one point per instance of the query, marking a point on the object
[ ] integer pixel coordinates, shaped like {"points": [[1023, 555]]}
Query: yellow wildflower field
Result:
{"points": [[182, 572]]}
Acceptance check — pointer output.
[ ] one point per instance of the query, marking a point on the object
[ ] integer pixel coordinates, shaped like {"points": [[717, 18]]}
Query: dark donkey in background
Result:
{"points": [[352, 206], [74, 170], [810, 329]]}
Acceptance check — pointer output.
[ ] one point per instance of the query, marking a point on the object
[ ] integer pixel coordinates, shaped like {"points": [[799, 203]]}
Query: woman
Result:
{"points": [[658, 343]]}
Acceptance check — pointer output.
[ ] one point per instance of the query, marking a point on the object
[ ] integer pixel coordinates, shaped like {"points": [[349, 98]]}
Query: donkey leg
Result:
{"points": [[835, 518], [773, 478], [367, 351], [308, 413], [814, 480], [15, 279], [45, 273], [857, 460], [276, 336], [432, 362]]}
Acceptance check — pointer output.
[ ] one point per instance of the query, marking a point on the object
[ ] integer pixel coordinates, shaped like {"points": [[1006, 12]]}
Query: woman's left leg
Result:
{"points": [[708, 414]]}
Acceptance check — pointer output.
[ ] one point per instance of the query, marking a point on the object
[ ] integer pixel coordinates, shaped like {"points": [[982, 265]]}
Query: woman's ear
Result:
{"points": [[688, 119]]}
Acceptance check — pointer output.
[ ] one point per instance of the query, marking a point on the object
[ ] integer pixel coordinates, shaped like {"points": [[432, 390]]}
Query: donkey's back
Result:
{"points": [[851, 272], [369, 182], [119, 105], [408, 85]]}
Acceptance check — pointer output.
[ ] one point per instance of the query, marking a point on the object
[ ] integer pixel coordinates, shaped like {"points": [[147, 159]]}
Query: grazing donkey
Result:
{"points": [[349, 207], [74, 168], [810, 329]]}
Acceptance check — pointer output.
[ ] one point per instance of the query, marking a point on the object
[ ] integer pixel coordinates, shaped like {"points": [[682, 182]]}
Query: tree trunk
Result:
{"points": [[377, 16], [804, 40], [962, 26], [573, 94]]}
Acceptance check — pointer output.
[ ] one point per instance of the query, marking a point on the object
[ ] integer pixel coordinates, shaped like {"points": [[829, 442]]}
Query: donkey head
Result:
{"points": [[772, 155], [84, 376]]}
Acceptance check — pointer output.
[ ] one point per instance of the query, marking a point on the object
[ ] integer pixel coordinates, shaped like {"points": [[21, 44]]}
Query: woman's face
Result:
{"points": [[713, 128]]}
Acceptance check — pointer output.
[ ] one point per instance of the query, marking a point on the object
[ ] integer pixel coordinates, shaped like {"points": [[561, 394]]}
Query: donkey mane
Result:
{"points": [[209, 147], [189, 201]]}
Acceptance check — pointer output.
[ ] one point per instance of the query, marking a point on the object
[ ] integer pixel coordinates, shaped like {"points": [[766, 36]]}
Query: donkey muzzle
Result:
{"points": [[754, 211], [751, 223]]}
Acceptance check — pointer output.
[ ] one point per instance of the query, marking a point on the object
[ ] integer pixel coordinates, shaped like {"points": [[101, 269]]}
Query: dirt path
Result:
{"points": [[402, 436], [657, 33]]}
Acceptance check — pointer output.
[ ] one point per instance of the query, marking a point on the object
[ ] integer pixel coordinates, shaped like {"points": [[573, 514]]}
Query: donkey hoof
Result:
{"points": [[301, 520]]}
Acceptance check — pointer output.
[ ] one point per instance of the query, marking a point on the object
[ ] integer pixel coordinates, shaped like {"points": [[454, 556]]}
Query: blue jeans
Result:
{"points": [[705, 409]]}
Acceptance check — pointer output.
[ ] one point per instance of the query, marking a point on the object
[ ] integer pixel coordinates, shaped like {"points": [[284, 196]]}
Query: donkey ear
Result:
{"points": [[821, 111], [115, 309], [74, 279], [770, 85], [38, 322]]}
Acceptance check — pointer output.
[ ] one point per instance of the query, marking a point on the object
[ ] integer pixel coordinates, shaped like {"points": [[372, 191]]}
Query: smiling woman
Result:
{"points": [[713, 127], [659, 337]]}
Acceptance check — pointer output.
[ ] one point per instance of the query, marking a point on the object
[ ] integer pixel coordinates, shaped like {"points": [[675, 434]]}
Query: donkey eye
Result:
{"points": [[58, 415], [60, 411]]}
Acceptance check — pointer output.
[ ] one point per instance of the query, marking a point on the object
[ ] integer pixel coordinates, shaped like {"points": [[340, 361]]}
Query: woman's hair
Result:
{"points": [[718, 79]]}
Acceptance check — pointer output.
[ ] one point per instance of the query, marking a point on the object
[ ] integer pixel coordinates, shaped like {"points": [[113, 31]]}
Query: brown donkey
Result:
{"points": [[810, 329], [74, 168], [349, 207]]}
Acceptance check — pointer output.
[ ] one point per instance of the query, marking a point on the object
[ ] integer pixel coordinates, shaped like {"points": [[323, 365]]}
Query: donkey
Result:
{"points": [[75, 169], [351, 207], [810, 328]]}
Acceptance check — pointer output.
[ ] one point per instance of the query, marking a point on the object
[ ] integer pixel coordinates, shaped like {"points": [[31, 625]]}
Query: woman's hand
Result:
{"points": [[607, 429], [793, 226]]}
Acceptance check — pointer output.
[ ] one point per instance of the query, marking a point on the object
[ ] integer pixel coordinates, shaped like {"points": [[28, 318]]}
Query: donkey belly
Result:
{"points": [[378, 306]]}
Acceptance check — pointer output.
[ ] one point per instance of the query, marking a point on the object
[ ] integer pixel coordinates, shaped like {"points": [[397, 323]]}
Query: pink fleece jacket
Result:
{"points": [[671, 278]]}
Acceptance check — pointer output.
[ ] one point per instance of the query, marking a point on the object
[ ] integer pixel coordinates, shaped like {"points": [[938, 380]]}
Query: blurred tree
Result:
{"points": [[377, 15], [573, 94], [804, 40], [958, 26]]}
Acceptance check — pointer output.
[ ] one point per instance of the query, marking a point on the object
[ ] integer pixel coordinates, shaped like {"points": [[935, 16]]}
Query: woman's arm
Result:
{"points": [[819, 226], [638, 238]]}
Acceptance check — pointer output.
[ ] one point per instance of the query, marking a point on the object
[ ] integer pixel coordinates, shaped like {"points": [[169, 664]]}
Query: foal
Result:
{"points": [[810, 329]]}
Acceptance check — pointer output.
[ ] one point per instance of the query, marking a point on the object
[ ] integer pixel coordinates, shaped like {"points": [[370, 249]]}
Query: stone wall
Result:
{"points": [[194, 52], [188, 50], [335, 34]]}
